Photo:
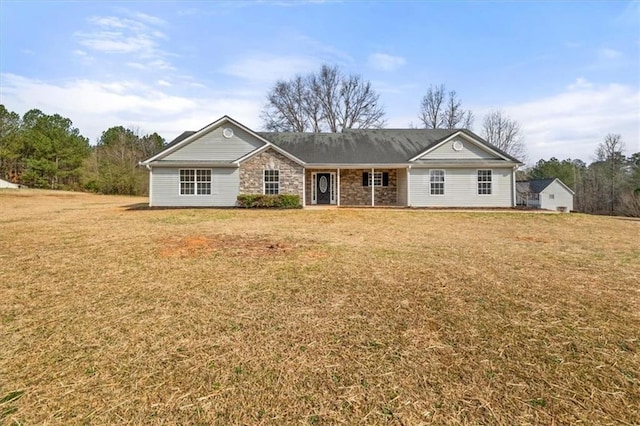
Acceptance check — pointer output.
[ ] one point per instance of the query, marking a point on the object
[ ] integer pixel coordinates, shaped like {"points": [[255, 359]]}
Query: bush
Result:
{"points": [[280, 201]]}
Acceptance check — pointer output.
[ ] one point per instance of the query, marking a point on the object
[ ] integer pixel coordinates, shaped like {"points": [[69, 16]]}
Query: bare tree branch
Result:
{"points": [[327, 100], [441, 110], [505, 134]]}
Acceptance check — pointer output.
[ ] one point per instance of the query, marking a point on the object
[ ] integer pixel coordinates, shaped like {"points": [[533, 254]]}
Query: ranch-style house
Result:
{"points": [[373, 167]]}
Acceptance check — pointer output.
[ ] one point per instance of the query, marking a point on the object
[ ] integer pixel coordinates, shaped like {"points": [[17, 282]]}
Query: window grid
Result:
{"points": [[375, 179], [484, 182], [436, 180], [195, 182], [272, 182]]}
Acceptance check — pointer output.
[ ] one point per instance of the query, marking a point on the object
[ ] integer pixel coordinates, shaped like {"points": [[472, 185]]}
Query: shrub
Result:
{"points": [[280, 201]]}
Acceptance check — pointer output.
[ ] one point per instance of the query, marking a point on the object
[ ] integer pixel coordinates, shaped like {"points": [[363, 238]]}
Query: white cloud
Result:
{"points": [[606, 53], [572, 123], [267, 69], [94, 106], [136, 38], [384, 62], [163, 83]]}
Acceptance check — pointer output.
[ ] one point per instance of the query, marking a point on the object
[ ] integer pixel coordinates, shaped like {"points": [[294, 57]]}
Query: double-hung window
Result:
{"points": [[375, 179], [436, 182], [272, 181], [484, 182], [195, 181]]}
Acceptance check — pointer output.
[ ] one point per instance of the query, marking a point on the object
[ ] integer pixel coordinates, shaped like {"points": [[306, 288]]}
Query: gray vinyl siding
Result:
{"points": [[401, 187], [561, 197], [470, 151], [165, 189], [214, 146], [461, 188]]}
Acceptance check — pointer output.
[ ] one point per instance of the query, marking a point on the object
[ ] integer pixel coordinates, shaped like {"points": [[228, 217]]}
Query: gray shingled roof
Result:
{"points": [[535, 186], [378, 146]]}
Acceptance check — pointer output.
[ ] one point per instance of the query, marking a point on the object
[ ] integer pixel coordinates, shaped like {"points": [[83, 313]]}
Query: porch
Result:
{"points": [[356, 187]]}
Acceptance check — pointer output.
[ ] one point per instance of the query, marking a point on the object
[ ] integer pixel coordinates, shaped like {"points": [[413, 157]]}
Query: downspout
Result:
{"points": [[150, 185], [513, 183]]}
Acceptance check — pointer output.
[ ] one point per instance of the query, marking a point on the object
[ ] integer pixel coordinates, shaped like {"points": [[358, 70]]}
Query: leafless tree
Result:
{"points": [[442, 110], [505, 134], [610, 154], [324, 101]]}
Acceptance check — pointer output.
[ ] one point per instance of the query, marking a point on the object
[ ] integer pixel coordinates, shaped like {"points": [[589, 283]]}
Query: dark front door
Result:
{"points": [[323, 188]]}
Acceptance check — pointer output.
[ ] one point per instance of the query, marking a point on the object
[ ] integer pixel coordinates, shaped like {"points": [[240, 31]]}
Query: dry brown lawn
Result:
{"points": [[112, 314]]}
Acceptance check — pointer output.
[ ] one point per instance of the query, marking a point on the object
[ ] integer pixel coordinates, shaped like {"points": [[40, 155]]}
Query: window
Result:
{"points": [[272, 181], [375, 179], [436, 181], [552, 196], [195, 182], [484, 182]]}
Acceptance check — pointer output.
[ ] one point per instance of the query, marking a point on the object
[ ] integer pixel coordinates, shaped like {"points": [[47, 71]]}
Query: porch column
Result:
{"points": [[338, 188], [408, 186], [373, 188]]}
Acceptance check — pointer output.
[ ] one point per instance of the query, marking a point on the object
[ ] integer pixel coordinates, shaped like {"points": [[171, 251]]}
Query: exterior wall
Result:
{"points": [[214, 146], [252, 173], [4, 184], [562, 199], [165, 189], [352, 193], [470, 151], [461, 188]]}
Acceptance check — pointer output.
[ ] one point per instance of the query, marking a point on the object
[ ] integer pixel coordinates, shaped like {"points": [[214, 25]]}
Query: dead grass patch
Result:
{"points": [[195, 316]]}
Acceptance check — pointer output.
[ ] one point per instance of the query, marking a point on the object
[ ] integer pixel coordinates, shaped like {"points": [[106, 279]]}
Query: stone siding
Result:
{"points": [[352, 193], [252, 173]]}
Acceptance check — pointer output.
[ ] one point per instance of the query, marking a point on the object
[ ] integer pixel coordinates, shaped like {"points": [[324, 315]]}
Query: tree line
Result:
{"points": [[45, 151], [609, 185]]}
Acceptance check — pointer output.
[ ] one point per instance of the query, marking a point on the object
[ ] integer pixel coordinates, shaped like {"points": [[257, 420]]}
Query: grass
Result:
{"points": [[110, 314]]}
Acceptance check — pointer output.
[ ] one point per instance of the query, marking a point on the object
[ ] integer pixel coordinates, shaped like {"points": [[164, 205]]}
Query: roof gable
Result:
{"points": [[463, 145], [536, 186], [211, 142]]}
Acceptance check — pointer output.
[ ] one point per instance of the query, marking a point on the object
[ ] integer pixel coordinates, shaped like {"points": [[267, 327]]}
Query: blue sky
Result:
{"points": [[567, 71]]}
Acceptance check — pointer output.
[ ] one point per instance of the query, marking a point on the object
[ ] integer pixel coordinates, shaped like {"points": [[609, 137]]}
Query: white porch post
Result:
{"points": [[338, 188], [408, 187], [373, 187]]}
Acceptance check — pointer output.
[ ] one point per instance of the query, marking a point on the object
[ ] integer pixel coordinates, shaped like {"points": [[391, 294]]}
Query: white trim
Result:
{"points": [[338, 187], [514, 194], [266, 147], [150, 186], [492, 184], [373, 187], [264, 182], [475, 141], [210, 127], [409, 186], [195, 182], [332, 187], [444, 182]]}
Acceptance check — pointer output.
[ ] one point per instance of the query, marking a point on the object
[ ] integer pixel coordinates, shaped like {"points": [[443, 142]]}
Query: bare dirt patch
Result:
{"points": [[200, 245], [343, 316]]}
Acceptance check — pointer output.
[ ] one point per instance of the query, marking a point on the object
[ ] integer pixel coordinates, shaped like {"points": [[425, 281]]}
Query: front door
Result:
{"points": [[323, 188]]}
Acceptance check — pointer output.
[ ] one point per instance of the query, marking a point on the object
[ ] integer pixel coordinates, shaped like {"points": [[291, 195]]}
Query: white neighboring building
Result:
{"points": [[5, 184], [548, 194]]}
